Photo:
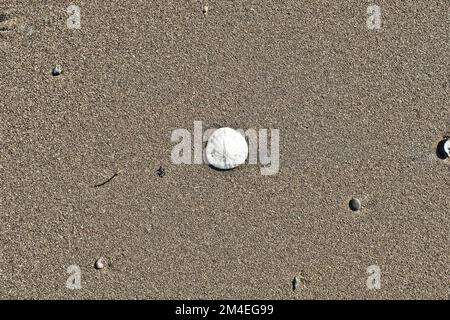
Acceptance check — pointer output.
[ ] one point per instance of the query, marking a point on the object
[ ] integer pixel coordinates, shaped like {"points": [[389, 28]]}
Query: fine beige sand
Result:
{"points": [[360, 113]]}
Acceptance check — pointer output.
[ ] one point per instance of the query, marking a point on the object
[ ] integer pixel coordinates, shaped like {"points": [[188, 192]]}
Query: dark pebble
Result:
{"points": [[354, 204]]}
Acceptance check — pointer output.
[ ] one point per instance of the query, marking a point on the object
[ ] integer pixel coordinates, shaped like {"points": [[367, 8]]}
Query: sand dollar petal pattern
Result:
{"points": [[226, 149]]}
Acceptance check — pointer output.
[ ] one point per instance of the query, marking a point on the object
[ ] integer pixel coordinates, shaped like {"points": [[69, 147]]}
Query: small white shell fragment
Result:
{"points": [[447, 147], [226, 149], [99, 264], [205, 10]]}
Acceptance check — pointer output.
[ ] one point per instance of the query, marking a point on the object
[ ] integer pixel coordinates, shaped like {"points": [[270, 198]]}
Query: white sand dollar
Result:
{"points": [[226, 149]]}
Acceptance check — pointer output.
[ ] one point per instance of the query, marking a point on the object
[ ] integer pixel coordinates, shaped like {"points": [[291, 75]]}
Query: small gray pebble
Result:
{"points": [[354, 204], [56, 71], [443, 148], [446, 147]]}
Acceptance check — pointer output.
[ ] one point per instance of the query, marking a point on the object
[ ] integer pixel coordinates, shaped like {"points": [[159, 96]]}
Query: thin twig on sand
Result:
{"points": [[105, 182]]}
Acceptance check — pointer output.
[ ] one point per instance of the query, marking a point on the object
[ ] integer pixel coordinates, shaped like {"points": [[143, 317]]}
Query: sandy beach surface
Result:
{"points": [[360, 113]]}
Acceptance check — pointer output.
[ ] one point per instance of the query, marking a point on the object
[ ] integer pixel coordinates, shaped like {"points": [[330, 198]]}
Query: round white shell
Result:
{"points": [[447, 147], [226, 149]]}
